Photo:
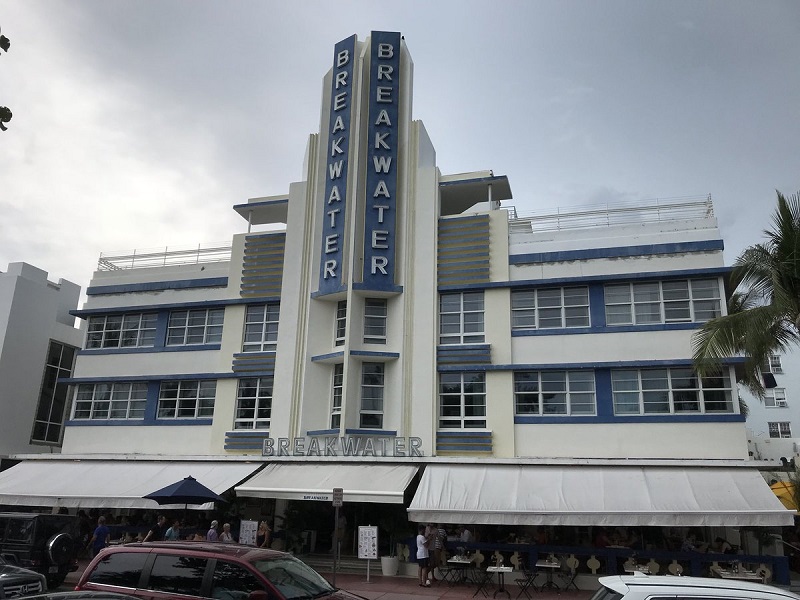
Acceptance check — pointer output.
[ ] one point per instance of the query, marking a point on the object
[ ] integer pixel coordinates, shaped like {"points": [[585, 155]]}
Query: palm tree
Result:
{"points": [[764, 310]]}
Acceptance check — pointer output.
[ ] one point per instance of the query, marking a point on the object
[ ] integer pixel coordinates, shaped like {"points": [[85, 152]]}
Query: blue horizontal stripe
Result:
{"points": [[666, 418], [607, 329], [319, 357], [616, 252], [137, 422], [157, 286], [323, 432], [89, 312], [633, 364], [178, 377], [369, 353], [459, 434], [375, 432], [148, 349], [248, 433], [608, 278], [456, 448]]}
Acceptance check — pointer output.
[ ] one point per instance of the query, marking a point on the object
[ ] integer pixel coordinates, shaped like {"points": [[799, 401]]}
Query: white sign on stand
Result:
{"points": [[368, 542], [247, 532]]}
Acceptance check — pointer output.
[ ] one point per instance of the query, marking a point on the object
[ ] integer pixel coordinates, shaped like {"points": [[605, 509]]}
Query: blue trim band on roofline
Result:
{"points": [[606, 329], [323, 432], [369, 353], [375, 432], [260, 205], [137, 423], [178, 377], [616, 252], [147, 349], [666, 418], [328, 356], [629, 364], [586, 279], [157, 286], [88, 312]]}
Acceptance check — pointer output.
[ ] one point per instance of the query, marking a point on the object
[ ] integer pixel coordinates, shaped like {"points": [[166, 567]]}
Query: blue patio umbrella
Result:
{"points": [[186, 491]]}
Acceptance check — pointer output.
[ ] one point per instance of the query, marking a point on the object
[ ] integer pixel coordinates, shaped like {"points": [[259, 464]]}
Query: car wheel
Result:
{"points": [[60, 548]]}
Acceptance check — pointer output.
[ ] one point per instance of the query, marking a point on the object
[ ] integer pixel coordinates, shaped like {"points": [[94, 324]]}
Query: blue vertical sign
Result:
{"points": [[337, 152], [380, 213]]}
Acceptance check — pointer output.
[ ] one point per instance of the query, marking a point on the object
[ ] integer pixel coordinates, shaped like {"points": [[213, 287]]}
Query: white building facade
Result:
{"points": [[382, 324], [38, 344]]}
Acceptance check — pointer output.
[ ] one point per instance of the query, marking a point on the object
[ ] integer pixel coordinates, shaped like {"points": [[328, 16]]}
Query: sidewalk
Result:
{"points": [[380, 587]]}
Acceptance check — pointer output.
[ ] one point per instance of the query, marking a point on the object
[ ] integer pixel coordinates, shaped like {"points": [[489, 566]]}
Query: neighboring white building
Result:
{"points": [[38, 342], [382, 323], [773, 423]]}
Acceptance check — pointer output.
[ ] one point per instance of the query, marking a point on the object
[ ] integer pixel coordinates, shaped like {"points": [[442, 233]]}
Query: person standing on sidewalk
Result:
{"points": [[422, 557], [100, 538]]}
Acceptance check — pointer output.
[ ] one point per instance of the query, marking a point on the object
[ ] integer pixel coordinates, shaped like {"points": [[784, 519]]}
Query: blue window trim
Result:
{"points": [[606, 329], [617, 252], [316, 432], [151, 378], [589, 279], [157, 286], [375, 432], [372, 354], [666, 418], [91, 312], [137, 422], [631, 364], [329, 356], [149, 349]]}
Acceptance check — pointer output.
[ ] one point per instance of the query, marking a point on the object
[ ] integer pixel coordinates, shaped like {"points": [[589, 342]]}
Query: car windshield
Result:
{"points": [[294, 579]]}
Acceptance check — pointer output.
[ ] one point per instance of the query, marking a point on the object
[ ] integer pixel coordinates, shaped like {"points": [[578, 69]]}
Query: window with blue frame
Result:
{"points": [[669, 301], [670, 391], [187, 399], [461, 318], [195, 326], [336, 395], [104, 401], [550, 308], [462, 400], [131, 330], [253, 403], [553, 393], [372, 382], [261, 327]]}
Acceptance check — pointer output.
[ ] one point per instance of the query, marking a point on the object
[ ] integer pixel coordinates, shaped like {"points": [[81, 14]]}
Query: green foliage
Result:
{"points": [[764, 310]]}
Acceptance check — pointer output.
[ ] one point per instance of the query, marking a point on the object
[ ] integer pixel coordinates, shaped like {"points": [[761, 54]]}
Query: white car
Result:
{"points": [[663, 587]]}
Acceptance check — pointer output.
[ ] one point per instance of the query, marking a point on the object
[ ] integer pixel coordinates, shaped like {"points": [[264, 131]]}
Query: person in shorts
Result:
{"points": [[423, 556]]}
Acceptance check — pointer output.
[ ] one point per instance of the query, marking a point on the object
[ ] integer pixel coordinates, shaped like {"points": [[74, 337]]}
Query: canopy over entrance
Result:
{"points": [[596, 495], [359, 482], [109, 483]]}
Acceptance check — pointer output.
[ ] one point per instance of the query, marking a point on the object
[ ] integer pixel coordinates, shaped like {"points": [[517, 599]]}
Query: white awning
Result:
{"points": [[359, 482], [110, 483], [588, 495]]}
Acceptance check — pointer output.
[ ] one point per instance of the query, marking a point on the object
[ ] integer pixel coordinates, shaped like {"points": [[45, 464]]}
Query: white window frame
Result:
{"points": [[455, 409], [48, 423], [261, 327], [253, 403], [187, 399], [129, 330], [535, 308], [461, 318], [554, 393], [640, 388], [340, 324], [373, 381], [376, 315], [773, 364], [110, 401], [651, 302], [775, 398], [199, 326], [779, 429], [337, 389]]}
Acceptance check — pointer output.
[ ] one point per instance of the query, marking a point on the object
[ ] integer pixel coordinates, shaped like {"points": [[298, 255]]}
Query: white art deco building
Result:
{"points": [[384, 326]]}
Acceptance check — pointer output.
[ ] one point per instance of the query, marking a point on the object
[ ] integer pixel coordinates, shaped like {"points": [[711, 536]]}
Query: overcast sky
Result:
{"points": [[140, 124]]}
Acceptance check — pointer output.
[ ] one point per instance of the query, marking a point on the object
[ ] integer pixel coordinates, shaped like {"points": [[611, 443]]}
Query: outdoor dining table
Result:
{"points": [[550, 566], [457, 573], [741, 574], [487, 578]]}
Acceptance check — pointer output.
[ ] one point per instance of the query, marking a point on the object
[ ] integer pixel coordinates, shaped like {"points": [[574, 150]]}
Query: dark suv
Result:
{"points": [[42, 543], [192, 570]]}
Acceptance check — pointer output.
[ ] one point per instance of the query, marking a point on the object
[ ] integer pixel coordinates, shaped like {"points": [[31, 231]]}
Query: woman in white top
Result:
{"points": [[422, 556]]}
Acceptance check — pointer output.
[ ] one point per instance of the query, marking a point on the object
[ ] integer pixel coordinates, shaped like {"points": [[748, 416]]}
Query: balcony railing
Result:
{"points": [[620, 213], [168, 256]]}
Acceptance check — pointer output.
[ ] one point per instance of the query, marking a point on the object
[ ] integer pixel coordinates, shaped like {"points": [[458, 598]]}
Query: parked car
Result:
{"points": [[16, 581], [184, 570], [86, 595], [645, 587], [46, 544]]}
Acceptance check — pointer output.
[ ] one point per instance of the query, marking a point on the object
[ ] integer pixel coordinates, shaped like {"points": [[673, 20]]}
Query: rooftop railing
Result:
{"points": [[168, 256], [619, 213]]}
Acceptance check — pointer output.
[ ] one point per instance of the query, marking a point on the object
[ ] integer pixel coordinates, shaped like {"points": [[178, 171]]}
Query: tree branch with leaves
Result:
{"points": [[5, 112]]}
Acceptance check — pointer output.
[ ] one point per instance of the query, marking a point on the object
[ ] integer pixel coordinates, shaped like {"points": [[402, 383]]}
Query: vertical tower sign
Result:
{"points": [[380, 212], [338, 154]]}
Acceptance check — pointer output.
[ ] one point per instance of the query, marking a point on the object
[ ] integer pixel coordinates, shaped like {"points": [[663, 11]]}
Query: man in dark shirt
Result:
{"points": [[156, 533]]}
